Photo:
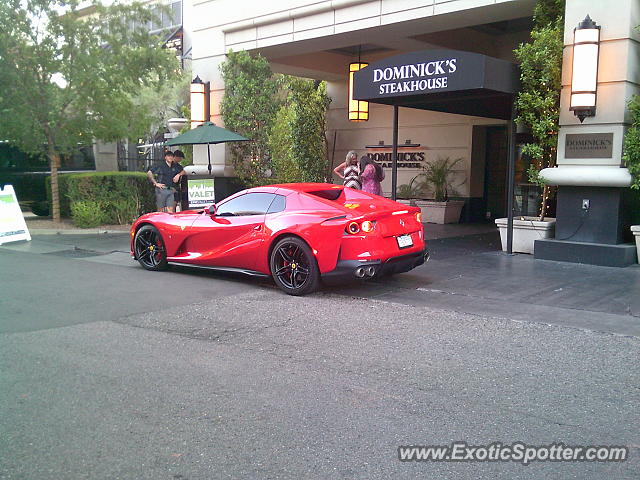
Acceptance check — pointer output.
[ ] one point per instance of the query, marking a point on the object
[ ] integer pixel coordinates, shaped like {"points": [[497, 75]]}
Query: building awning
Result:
{"points": [[450, 81]]}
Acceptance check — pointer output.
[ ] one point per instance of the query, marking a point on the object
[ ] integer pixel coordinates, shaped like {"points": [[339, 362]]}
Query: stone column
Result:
{"points": [[590, 176]]}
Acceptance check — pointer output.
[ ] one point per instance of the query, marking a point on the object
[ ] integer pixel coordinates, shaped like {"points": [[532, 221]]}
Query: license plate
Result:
{"points": [[404, 241]]}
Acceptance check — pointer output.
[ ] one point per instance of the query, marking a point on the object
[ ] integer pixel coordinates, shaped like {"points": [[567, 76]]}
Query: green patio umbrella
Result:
{"points": [[206, 134]]}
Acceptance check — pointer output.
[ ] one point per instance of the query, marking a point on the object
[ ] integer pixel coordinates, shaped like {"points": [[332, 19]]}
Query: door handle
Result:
{"points": [[257, 227]]}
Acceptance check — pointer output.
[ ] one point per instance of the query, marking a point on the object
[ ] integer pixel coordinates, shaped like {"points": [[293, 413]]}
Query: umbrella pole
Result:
{"points": [[209, 157]]}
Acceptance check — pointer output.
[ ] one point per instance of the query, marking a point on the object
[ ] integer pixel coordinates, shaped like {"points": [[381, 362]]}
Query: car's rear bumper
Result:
{"points": [[357, 269]]}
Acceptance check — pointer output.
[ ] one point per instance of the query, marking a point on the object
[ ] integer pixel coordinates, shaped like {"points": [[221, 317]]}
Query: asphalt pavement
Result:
{"points": [[110, 371]]}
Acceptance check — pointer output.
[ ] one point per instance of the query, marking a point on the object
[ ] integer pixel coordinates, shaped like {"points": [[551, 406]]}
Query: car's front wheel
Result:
{"points": [[293, 267], [149, 248]]}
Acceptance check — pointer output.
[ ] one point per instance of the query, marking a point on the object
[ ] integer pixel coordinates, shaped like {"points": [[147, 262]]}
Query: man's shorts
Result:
{"points": [[165, 198]]}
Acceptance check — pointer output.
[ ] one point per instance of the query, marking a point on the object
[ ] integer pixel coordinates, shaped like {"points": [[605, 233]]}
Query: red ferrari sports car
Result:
{"points": [[298, 233]]}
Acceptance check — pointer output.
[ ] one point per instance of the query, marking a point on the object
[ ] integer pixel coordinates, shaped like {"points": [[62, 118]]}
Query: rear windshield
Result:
{"points": [[332, 194]]}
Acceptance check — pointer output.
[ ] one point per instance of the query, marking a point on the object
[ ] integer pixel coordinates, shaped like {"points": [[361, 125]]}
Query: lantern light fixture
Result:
{"points": [[584, 75], [358, 110], [200, 92]]}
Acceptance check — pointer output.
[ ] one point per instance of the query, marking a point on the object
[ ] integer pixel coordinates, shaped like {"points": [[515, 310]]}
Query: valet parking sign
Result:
{"points": [[12, 225], [201, 192]]}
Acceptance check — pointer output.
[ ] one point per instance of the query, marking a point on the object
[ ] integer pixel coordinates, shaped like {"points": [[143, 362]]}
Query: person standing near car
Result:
{"points": [[181, 194], [372, 174], [165, 176], [349, 171]]}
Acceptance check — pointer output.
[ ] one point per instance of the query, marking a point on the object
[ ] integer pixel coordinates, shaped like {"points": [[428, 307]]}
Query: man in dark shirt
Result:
{"points": [[165, 177]]}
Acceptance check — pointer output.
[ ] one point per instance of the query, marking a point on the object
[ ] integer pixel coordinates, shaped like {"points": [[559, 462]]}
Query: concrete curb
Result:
{"points": [[73, 231]]}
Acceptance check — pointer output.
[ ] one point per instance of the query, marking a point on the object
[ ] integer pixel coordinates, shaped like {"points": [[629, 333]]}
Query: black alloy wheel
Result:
{"points": [[293, 267], [149, 248]]}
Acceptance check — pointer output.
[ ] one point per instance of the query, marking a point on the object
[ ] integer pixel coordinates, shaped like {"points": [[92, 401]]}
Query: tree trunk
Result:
{"points": [[543, 207], [54, 160]]}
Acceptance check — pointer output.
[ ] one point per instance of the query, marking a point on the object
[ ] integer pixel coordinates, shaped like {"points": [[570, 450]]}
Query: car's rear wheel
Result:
{"points": [[149, 248], [293, 267]]}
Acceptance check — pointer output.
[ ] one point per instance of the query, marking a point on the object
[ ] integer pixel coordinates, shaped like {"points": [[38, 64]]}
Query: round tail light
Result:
{"points": [[353, 228], [367, 226]]}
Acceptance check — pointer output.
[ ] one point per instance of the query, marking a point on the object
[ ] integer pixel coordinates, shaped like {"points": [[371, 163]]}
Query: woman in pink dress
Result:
{"points": [[372, 174]]}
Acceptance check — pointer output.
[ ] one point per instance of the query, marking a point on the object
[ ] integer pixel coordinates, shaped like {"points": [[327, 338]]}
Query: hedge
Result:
{"points": [[29, 186], [97, 198]]}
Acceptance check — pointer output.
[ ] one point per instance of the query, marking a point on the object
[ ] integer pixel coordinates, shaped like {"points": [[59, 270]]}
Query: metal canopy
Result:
{"points": [[450, 81], [443, 80]]}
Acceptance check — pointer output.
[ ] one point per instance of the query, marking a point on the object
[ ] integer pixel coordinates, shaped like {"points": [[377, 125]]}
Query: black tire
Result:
{"points": [[149, 248], [293, 267]]}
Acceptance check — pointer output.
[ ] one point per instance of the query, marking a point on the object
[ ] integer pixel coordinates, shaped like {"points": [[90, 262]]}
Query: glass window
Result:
{"points": [[176, 8], [278, 204], [248, 204], [156, 22]]}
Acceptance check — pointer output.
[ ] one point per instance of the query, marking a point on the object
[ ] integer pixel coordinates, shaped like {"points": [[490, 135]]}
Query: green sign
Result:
{"points": [[201, 192]]}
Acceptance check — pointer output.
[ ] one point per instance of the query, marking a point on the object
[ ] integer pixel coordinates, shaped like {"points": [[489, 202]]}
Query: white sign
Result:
{"points": [[417, 77], [201, 192], [12, 224]]}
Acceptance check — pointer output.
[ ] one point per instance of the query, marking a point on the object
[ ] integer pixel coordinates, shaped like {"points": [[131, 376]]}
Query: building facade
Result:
{"points": [[319, 39]]}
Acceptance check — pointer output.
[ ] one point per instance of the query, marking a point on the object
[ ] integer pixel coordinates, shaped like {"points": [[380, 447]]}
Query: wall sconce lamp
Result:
{"points": [[358, 111], [200, 102], [584, 76]]}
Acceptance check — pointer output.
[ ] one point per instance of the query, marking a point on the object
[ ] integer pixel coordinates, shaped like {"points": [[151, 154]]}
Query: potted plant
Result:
{"points": [[437, 179], [538, 105], [410, 192], [434, 181]]}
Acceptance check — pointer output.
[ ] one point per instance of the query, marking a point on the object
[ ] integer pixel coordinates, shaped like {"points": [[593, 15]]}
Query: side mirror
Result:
{"points": [[211, 209]]}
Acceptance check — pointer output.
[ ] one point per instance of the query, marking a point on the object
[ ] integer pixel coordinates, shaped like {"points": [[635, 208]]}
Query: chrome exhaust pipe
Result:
{"points": [[371, 271], [360, 272]]}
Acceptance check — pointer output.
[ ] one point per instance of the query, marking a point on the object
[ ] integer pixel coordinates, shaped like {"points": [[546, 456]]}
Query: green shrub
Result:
{"points": [[631, 155], [41, 208], [297, 139], [96, 198], [28, 186], [89, 214]]}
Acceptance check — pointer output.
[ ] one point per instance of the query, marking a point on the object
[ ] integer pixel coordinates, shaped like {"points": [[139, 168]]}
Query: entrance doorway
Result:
{"points": [[495, 175]]}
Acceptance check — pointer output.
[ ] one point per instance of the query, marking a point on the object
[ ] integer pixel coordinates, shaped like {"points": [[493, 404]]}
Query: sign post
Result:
{"points": [[13, 228]]}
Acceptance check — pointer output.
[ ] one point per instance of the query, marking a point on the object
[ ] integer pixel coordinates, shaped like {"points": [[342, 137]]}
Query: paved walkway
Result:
{"points": [[471, 274], [467, 272]]}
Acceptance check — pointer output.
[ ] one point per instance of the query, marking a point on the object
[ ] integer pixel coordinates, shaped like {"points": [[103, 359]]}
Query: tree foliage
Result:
{"points": [[538, 101], [297, 141], [70, 78], [249, 107], [631, 155]]}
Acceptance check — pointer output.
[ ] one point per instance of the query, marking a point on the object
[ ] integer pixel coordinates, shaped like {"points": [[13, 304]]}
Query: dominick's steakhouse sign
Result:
{"points": [[416, 77], [431, 72]]}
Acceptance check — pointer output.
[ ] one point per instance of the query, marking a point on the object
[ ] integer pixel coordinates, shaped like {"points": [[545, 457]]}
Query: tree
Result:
{"points": [[297, 140], [538, 101], [163, 102], [69, 79], [249, 107], [631, 155]]}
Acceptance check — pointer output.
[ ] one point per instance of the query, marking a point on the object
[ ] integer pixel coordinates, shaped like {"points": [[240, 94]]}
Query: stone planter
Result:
{"points": [[405, 201], [176, 124], [636, 233], [440, 212], [526, 232]]}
